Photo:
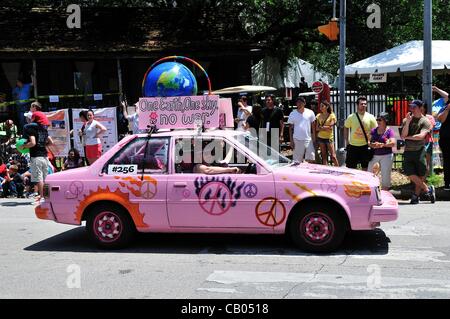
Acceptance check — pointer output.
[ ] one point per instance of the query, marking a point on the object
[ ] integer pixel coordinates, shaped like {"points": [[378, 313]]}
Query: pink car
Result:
{"points": [[152, 184]]}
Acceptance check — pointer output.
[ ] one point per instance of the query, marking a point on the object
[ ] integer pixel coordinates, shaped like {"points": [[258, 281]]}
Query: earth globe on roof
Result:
{"points": [[170, 79]]}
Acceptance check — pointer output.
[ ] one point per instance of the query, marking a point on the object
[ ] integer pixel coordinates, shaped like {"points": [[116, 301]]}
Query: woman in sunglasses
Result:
{"points": [[382, 141]]}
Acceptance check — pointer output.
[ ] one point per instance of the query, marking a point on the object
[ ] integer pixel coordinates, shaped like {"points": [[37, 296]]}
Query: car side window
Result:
{"points": [[155, 151], [190, 152]]}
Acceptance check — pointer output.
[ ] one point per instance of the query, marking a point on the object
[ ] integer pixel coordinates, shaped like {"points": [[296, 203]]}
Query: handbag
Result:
{"points": [[370, 151]]}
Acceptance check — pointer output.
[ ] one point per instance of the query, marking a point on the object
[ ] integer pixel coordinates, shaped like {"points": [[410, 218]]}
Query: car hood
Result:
{"points": [[314, 171], [72, 174]]}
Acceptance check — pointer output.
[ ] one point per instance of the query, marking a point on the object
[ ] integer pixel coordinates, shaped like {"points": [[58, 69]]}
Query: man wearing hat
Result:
{"points": [[37, 136], [415, 128]]}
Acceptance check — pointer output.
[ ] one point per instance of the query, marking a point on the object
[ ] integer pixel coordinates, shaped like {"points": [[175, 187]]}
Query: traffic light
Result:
{"points": [[331, 30]]}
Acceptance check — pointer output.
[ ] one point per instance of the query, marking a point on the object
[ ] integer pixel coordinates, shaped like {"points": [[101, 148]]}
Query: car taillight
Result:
{"points": [[46, 191]]}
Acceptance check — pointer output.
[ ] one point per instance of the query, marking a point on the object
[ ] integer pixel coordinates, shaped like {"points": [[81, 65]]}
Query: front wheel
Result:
{"points": [[318, 228], [109, 226]]}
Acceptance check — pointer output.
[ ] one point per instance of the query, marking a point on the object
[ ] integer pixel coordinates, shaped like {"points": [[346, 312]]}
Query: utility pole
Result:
{"points": [[342, 44], [427, 72]]}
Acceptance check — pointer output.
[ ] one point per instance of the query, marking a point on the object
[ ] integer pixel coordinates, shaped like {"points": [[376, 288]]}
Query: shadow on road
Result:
{"points": [[372, 242], [13, 204]]}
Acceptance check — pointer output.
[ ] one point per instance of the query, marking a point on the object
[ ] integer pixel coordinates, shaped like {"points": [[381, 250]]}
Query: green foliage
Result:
{"points": [[288, 28], [436, 180]]}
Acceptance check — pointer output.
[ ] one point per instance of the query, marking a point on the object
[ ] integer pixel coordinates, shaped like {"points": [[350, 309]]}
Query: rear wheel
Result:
{"points": [[109, 226], [318, 228]]}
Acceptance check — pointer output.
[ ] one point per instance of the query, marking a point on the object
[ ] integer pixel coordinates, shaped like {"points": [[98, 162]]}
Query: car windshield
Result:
{"points": [[272, 157]]}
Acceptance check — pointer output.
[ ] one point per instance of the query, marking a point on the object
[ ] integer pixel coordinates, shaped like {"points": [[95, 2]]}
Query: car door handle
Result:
{"points": [[180, 184]]}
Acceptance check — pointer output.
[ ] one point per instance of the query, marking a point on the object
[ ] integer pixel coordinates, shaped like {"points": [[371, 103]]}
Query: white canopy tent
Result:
{"points": [[405, 58], [267, 72]]}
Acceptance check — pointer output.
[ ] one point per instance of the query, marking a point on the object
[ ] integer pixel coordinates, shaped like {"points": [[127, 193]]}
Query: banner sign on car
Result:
{"points": [[179, 111]]}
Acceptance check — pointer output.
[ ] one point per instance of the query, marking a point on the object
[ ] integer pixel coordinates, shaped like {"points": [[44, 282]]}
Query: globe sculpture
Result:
{"points": [[170, 79]]}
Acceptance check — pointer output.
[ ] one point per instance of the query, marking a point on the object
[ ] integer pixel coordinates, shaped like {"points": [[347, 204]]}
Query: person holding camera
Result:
{"points": [[382, 141], [415, 129], [359, 125]]}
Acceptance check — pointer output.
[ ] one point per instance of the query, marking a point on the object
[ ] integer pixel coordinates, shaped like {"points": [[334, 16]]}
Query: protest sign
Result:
{"points": [[179, 111], [59, 132]]}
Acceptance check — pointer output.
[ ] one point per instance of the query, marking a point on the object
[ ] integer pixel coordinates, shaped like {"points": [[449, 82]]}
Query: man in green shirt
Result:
{"points": [[7, 131], [416, 126]]}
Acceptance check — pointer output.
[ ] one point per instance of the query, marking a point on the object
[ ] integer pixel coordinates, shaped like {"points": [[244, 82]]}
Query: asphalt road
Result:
{"points": [[409, 258]]}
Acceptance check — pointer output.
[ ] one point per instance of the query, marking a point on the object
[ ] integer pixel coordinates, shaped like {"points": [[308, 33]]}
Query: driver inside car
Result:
{"points": [[212, 164]]}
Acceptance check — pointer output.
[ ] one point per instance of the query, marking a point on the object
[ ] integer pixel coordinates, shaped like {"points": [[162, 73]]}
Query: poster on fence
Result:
{"points": [[107, 117], [59, 132]]}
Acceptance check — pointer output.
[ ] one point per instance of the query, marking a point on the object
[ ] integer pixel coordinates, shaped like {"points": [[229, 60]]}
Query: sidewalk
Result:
{"points": [[404, 193]]}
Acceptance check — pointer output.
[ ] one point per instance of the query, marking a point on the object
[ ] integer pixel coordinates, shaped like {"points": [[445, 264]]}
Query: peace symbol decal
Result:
{"points": [[215, 198], [148, 190], [266, 212], [250, 190], [76, 188]]}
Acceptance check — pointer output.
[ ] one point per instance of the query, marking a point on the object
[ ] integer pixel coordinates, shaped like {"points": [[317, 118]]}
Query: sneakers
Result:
{"points": [[432, 194], [414, 199]]}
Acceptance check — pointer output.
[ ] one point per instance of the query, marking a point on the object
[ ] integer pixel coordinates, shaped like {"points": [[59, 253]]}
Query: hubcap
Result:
{"points": [[107, 226], [317, 228]]}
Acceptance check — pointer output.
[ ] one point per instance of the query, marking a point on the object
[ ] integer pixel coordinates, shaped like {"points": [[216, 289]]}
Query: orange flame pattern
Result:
{"points": [[136, 181], [117, 196], [357, 189]]}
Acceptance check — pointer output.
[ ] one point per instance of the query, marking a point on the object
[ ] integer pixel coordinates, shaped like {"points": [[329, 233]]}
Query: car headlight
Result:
{"points": [[378, 193]]}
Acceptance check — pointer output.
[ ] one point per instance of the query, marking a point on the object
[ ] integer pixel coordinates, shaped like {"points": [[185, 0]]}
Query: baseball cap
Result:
{"points": [[40, 118], [384, 116], [416, 103], [28, 115]]}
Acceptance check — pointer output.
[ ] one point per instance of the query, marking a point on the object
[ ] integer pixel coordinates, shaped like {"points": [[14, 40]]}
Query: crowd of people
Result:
{"points": [[369, 141], [22, 173]]}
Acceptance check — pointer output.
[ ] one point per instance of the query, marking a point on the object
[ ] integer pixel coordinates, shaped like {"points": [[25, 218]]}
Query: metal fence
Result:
{"points": [[396, 105]]}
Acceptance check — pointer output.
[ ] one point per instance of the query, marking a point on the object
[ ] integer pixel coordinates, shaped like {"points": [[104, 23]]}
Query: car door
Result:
{"points": [[219, 201], [138, 174]]}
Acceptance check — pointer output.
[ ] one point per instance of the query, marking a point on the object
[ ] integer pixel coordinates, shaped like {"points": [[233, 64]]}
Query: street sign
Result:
{"points": [[378, 77], [317, 87]]}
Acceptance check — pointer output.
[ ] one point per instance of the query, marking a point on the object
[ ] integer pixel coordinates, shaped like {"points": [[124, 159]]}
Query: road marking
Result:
{"points": [[320, 296], [405, 255], [219, 290], [393, 253], [238, 277]]}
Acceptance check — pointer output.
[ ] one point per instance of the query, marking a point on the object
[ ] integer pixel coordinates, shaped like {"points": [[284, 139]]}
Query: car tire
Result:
{"points": [[110, 226], [318, 228]]}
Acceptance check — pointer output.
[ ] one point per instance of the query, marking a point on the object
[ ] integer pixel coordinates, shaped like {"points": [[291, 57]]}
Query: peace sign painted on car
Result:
{"points": [[266, 212], [215, 198], [148, 190]]}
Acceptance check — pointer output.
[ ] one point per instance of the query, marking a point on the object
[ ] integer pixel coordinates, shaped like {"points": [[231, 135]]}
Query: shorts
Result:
{"points": [[303, 149], [93, 151], [414, 163], [39, 169], [324, 141], [357, 155]]}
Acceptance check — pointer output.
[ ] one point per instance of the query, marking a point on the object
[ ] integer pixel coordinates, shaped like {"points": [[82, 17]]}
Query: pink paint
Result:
{"points": [[228, 203]]}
